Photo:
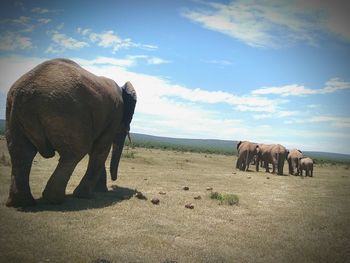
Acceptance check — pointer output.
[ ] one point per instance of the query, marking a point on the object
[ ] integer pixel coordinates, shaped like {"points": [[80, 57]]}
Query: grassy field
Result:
{"points": [[277, 218]]}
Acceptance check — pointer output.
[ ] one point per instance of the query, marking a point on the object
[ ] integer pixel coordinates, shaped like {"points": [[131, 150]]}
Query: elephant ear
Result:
{"points": [[129, 99], [238, 144]]}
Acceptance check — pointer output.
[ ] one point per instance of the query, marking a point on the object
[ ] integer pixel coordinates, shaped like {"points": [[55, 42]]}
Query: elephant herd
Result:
{"points": [[275, 154]]}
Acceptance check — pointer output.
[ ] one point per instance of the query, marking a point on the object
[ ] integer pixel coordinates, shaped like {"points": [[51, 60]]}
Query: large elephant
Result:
{"points": [[246, 152], [306, 164], [60, 107], [293, 160], [274, 154]]}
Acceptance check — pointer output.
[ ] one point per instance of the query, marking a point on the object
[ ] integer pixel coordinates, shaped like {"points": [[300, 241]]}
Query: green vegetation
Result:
{"points": [[128, 154], [326, 161], [182, 148], [229, 199]]}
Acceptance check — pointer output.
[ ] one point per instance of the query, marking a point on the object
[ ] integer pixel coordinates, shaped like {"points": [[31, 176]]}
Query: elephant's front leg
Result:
{"points": [[93, 173]]}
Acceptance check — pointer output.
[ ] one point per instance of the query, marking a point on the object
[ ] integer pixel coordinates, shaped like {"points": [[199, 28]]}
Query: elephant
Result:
{"points": [[306, 164], [274, 154], [263, 156], [246, 152], [60, 107], [293, 160]]}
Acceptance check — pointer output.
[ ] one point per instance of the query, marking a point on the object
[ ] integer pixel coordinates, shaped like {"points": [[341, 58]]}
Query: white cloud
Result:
{"points": [[270, 23], [157, 61], [106, 61], [62, 42], [158, 107], [21, 20], [10, 41], [126, 62], [22, 24], [335, 15], [40, 10], [331, 121], [277, 114], [313, 106], [44, 20], [340, 122], [333, 85], [109, 39], [256, 23]]}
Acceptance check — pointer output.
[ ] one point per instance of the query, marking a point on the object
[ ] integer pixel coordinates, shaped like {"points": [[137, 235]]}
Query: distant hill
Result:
{"points": [[194, 145], [328, 156], [227, 147]]}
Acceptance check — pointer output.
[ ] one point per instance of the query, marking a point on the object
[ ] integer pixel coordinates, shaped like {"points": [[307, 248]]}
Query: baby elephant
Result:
{"points": [[306, 164]]}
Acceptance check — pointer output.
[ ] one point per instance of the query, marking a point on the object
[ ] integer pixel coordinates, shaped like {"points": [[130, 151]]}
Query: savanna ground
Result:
{"points": [[278, 218]]}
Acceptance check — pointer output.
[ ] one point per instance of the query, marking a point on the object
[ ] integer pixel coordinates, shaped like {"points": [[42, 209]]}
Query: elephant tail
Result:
{"points": [[9, 106], [8, 111]]}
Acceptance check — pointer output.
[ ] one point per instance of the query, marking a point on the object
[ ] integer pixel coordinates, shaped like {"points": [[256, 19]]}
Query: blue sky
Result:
{"points": [[265, 71]]}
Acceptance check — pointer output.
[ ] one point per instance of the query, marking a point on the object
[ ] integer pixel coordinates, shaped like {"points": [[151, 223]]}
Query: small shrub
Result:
{"points": [[128, 154], [229, 199], [215, 195]]}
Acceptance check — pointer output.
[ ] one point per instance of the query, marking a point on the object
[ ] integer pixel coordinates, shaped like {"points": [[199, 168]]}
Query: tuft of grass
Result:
{"points": [[229, 199], [128, 154]]}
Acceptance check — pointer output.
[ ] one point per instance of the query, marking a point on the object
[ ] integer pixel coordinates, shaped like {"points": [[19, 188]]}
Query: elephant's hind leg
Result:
{"points": [[22, 153], [101, 185], [55, 189]]}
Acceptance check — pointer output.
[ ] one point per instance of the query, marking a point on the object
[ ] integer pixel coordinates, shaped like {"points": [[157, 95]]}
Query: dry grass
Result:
{"points": [[281, 219]]}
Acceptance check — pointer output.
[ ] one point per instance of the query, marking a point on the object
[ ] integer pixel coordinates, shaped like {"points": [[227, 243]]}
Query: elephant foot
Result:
{"points": [[53, 197], [20, 200], [83, 192]]}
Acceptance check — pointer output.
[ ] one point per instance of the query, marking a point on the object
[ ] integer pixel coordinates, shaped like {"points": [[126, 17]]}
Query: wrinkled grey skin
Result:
{"points": [[274, 154], [60, 107], [306, 164], [293, 160], [246, 152]]}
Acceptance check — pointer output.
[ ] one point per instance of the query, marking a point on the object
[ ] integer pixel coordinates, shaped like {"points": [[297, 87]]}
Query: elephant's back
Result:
{"points": [[62, 100], [307, 161], [295, 154], [60, 82]]}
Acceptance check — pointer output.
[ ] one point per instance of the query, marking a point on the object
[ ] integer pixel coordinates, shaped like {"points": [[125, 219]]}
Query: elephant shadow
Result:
{"points": [[100, 200]]}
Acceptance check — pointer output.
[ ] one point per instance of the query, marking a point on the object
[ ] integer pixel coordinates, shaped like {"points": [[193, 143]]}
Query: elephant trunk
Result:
{"points": [[117, 150], [129, 103]]}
